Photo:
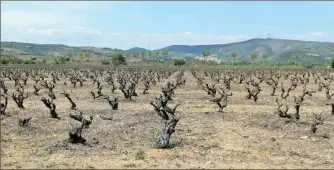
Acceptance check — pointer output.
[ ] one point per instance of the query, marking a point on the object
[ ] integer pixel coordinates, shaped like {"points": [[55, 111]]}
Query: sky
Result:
{"points": [[156, 24]]}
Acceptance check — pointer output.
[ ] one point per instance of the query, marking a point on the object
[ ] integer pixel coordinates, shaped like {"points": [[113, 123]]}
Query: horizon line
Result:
{"points": [[162, 47]]}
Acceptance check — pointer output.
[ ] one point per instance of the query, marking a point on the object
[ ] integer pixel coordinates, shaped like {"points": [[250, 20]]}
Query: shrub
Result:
{"points": [[44, 60], [242, 62], [27, 61], [332, 63], [15, 60], [118, 59], [130, 165], [4, 61], [211, 63], [67, 59], [140, 155], [179, 62], [309, 66], [105, 62], [62, 60], [18, 61]]}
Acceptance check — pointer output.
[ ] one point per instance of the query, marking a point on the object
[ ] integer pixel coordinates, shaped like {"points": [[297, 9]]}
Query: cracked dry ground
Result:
{"points": [[246, 135]]}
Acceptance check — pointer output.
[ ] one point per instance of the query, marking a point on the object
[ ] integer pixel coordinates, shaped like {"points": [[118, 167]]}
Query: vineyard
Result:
{"points": [[136, 117]]}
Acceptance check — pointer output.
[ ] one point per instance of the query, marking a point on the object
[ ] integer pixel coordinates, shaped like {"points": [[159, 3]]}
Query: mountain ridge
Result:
{"points": [[278, 49], [136, 49]]}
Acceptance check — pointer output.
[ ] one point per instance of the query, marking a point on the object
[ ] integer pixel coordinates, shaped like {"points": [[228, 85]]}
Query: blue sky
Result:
{"points": [[161, 23]]}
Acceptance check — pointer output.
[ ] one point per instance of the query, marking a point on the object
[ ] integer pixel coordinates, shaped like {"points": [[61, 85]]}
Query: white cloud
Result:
{"points": [[318, 33], [44, 14], [311, 36], [187, 33], [46, 32], [24, 19], [155, 41], [83, 36], [72, 31], [85, 30]]}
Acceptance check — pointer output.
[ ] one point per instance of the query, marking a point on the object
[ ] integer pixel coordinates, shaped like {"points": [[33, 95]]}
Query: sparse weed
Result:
{"points": [[90, 166], [140, 155], [130, 165], [178, 165]]}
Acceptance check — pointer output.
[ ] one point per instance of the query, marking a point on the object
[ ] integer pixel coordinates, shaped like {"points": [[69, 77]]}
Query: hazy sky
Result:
{"points": [[157, 24]]}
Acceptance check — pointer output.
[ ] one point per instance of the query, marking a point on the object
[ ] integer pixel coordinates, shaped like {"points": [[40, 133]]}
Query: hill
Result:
{"points": [[279, 50], [41, 50], [136, 49]]}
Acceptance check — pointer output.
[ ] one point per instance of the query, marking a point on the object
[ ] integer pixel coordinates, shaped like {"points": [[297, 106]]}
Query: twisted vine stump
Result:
{"points": [[298, 100], [282, 110], [254, 92], [51, 106], [3, 86], [37, 89], [318, 120], [112, 102], [78, 116], [24, 122], [75, 135], [73, 105], [3, 106], [221, 101], [167, 115], [19, 98]]}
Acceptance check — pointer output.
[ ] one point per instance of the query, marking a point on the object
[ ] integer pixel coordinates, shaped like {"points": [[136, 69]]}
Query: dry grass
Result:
{"points": [[246, 135]]}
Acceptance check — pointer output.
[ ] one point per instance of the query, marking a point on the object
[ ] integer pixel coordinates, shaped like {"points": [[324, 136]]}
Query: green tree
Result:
{"points": [[234, 55], [179, 62], [70, 54], [44, 60], [142, 53], [87, 55], [4, 61], [157, 54], [165, 54], [133, 54], [105, 62], [62, 60], [254, 56], [15, 60], [297, 56], [264, 56], [205, 54], [118, 59], [82, 54], [27, 61], [125, 54], [150, 55], [332, 63]]}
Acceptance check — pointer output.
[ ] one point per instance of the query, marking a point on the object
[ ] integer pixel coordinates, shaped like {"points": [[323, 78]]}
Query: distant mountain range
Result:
{"points": [[278, 49]]}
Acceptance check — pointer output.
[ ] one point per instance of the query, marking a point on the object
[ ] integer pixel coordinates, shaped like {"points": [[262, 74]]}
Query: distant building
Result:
{"points": [[209, 58], [310, 54]]}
